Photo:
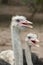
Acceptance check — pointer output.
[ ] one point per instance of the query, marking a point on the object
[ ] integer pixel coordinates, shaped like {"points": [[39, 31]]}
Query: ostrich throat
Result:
{"points": [[17, 47]]}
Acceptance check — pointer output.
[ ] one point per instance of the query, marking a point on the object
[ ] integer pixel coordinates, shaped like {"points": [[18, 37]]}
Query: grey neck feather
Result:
{"points": [[17, 47], [29, 45], [28, 54]]}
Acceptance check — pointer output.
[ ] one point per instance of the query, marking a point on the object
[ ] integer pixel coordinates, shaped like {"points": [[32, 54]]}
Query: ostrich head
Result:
{"points": [[32, 39], [21, 22]]}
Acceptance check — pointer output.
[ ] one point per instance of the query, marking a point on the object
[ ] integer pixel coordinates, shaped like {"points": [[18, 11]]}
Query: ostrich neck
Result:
{"points": [[15, 35], [28, 54], [17, 47], [29, 45]]}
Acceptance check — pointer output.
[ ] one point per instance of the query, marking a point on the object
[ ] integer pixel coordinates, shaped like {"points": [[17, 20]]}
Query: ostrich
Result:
{"points": [[19, 23], [31, 39]]}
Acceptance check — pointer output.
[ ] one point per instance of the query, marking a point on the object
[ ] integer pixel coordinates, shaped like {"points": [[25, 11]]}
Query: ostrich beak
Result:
{"points": [[35, 42], [37, 45], [27, 24]]}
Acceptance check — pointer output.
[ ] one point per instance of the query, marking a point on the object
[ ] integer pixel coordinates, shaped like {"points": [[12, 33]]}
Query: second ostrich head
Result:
{"points": [[32, 39]]}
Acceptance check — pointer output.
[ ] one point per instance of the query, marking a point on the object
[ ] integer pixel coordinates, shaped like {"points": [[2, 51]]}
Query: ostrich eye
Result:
{"points": [[18, 20], [29, 37]]}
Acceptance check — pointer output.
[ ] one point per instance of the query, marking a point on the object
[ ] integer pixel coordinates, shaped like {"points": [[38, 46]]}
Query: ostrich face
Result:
{"points": [[32, 39], [20, 22]]}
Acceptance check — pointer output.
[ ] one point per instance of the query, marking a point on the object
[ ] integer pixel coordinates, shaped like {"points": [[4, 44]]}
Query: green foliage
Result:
{"points": [[36, 5], [38, 2], [24, 2]]}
